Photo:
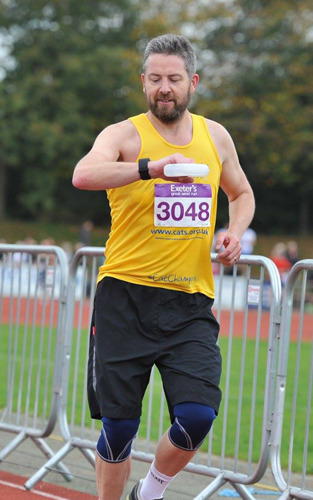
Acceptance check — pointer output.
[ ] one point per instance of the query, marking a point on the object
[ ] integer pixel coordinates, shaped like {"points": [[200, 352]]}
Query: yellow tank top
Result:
{"points": [[161, 232]]}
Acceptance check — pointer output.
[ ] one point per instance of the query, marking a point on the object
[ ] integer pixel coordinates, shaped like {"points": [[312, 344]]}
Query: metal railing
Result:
{"points": [[33, 284], [267, 381], [248, 327], [76, 426], [293, 422], [248, 304]]}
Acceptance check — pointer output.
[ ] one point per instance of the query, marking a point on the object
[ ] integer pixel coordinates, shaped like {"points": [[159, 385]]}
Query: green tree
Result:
{"points": [[73, 70], [258, 62]]}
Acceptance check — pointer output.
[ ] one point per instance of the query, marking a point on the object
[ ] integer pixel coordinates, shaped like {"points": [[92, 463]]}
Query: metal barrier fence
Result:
{"points": [[76, 426], [33, 283], [44, 317], [292, 434], [248, 309], [248, 306]]}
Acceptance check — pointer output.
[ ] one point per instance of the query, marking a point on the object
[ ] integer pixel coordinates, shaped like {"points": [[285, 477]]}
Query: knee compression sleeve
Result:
{"points": [[115, 441], [192, 423]]}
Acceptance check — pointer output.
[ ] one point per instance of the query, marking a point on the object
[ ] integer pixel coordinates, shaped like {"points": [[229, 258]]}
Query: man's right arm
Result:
{"points": [[95, 173], [102, 167]]}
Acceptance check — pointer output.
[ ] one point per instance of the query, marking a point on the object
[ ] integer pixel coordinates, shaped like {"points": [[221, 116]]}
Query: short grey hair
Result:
{"points": [[172, 45]]}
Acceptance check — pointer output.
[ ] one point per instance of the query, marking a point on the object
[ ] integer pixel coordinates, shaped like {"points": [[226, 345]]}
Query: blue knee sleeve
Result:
{"points": [[115, 441], [192, 423]]}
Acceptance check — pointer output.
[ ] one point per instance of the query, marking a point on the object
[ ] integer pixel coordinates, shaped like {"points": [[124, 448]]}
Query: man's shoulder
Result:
{"points": [[215, 127], [121, 137], [126, 124], [120, 129]]}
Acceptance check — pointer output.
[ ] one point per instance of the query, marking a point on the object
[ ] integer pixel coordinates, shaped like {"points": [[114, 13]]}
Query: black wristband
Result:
{"points": [[143, 169]]}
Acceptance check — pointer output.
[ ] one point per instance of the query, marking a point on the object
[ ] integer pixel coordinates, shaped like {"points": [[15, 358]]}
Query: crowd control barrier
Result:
{"points": [[248, 342], [75, 424], [292, 436], [248, 307], [33, 284]]}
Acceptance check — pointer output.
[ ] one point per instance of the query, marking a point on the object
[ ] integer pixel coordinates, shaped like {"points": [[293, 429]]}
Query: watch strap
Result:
{"points": [[143, 169]]}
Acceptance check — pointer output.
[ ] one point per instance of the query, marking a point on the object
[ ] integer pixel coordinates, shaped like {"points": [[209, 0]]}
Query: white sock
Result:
{"points": [[154, 484]]}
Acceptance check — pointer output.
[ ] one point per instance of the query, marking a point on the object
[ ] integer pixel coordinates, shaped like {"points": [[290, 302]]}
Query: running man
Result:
{"points": [[155, 289]]}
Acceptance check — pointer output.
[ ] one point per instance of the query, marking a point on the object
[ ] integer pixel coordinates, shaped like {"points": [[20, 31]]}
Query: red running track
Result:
{"points": [[11, 308], [12, 488]]}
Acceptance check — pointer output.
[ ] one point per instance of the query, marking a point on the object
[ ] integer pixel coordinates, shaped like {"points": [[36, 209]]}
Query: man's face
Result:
{"points": [[167, 87]]}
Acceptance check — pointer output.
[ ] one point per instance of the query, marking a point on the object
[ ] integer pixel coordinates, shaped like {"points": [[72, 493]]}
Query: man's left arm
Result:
{"points": [[240, 198]]}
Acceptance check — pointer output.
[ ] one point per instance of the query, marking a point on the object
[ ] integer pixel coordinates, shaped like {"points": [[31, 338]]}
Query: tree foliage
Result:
{"points": [[74, 68], [262, 93], [74, 71]]}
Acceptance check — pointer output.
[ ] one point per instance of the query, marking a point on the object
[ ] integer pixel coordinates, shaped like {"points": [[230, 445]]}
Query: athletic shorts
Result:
{"points": [[135, 327]]}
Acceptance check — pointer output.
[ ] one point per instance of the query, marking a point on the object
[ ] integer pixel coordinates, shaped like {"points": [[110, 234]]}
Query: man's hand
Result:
{"points": [[156, 168], [228, 248]]}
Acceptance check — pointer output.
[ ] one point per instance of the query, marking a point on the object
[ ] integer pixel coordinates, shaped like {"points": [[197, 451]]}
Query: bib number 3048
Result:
{"points": [[187, 205]]}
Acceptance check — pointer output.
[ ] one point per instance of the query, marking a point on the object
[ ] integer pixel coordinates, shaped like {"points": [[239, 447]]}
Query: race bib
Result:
{"points": [[186, 205]]}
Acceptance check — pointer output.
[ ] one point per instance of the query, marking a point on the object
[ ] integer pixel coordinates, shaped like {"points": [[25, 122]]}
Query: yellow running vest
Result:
{"points": [[161, 232]]}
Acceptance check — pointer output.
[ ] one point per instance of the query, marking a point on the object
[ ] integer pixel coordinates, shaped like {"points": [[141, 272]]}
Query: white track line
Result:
{"points": [[36, 492]]}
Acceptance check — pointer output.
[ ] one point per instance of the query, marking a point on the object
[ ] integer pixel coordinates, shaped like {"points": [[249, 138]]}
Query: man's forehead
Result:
{"points": [[165, 63]]}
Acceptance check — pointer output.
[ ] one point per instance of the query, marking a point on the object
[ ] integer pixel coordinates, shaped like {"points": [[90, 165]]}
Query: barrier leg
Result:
{"points": [[243, 491], [286, 495], [12, 445], [40, 474], [89, 455], [212, 488], [46, 450]]}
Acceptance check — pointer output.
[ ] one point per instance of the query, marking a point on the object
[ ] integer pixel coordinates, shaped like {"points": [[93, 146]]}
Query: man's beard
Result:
{"points": [[172, 116]]}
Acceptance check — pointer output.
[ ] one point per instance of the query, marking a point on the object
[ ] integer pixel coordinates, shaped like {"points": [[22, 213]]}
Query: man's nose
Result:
{"points": [[165, 87]]}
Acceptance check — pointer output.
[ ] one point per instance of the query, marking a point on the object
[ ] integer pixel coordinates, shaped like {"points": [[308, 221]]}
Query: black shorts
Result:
{"points": [[134, 327]]}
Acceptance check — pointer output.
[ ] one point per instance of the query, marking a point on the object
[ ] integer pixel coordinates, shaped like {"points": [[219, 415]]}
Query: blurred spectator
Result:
{"points": [[2, 240], [48, 259], [46, 263], [68, 249], [278, 256], [18, 257], [29, 240], [248, 241], [292, 252], [85, 233]]}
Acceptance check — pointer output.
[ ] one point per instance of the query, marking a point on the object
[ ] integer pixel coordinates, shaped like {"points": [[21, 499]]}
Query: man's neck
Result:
{"points": [[179, 132]]}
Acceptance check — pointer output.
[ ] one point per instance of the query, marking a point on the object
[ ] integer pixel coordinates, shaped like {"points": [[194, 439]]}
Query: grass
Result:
{"points": [[31, 382], [26, 369]]}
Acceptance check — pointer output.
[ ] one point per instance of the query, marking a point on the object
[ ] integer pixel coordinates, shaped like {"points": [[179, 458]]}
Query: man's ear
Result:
{"points": [[194, 82], [143, 80]]}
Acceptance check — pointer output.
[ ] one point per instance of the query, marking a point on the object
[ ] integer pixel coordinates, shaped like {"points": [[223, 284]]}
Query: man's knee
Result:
{"points": [[192, 423], [115, 441]]}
